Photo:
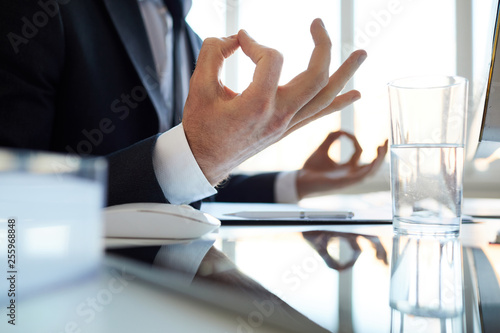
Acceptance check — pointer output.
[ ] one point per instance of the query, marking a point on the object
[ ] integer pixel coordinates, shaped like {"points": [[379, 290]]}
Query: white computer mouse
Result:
{"points": [[157, 221]]}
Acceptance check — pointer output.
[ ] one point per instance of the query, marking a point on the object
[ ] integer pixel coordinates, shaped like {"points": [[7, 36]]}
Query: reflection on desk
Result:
{"points": [[331, 281], [282, 279]]}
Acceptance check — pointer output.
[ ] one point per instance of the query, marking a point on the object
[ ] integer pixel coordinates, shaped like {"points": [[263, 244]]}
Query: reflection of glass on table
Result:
{"points": [[426, 293]]}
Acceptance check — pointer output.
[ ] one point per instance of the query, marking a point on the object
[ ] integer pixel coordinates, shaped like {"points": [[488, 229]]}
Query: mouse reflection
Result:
{"points": [[426, 291]]}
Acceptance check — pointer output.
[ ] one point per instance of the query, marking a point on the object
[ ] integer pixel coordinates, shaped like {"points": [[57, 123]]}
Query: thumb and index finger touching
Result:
{"points": [[212, 55], [268, 64], [334, 136], [268, 61]]}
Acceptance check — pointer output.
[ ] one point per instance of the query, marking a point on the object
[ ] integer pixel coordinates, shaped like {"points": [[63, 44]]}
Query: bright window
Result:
{"points": [[402, 38]]}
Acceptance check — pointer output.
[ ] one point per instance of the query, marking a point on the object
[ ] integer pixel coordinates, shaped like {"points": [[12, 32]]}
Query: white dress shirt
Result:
{"points": [[176, 169]]}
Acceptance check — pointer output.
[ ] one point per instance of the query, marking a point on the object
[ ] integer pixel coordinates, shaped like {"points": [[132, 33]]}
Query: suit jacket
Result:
{"points": [[77, 76]]}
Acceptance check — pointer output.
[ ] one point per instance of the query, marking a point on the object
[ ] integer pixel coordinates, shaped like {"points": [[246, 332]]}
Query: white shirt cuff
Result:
{"points": [[177, 171], [285, 187]]}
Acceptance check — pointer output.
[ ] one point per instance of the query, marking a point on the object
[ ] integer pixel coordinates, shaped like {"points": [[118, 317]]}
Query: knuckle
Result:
{"points": [[262, 106], [322, 79], [210, 42], [273, 54], [209, 46], [278, 124], [292, 106]]}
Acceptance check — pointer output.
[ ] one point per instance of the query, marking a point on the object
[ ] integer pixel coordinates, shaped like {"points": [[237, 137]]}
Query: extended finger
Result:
{"points": [[319, 64], [342, 75], [268, 64], [339, 103], [347, 70], [327, 99], [212, 55], [384, 147], [307, 84], [381, 152], [367, 169]]}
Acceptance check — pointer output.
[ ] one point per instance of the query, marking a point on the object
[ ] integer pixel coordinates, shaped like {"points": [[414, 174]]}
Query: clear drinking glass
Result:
{"points": [[50, 219], [428, 117], [426, 291]]}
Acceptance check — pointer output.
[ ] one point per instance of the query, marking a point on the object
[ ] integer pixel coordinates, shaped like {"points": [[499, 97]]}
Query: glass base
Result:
{"points": [[429, 312], [409, 227]]}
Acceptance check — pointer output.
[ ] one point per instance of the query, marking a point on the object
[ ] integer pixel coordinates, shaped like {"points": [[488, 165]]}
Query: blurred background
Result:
{"points": [[402, 38]]}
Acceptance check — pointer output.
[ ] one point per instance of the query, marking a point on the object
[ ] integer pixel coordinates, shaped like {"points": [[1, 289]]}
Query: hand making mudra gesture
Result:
{"points": [[224, 128]]}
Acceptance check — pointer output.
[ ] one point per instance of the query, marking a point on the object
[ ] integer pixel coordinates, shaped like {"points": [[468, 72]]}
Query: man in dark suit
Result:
{"points": [[81, 77]]}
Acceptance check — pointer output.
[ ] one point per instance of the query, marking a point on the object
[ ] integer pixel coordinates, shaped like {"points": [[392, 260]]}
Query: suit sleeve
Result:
{"points": [[131, 177], [244, 188]]}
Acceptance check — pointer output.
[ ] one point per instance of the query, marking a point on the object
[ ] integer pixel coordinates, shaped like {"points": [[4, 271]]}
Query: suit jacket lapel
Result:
{"points": [[127, 19]]}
